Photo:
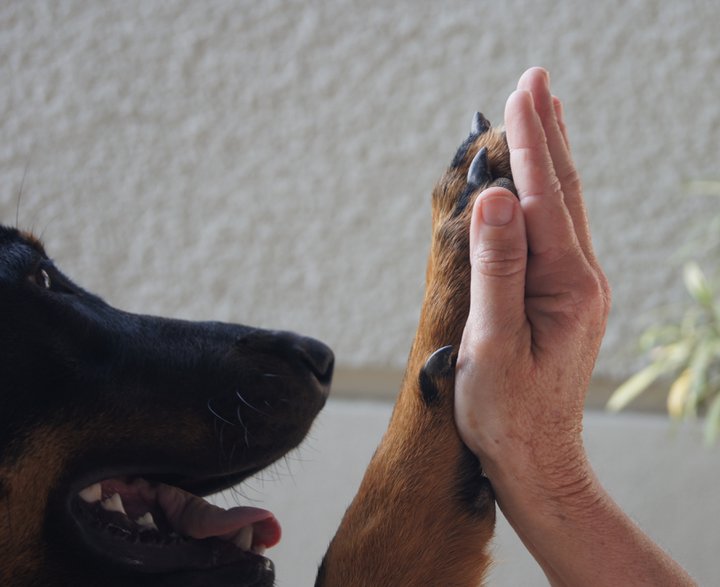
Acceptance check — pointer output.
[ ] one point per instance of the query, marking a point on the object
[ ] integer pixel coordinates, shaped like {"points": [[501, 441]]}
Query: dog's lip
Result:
{"points": [[210, 558], [196, 482], [179, 512]]}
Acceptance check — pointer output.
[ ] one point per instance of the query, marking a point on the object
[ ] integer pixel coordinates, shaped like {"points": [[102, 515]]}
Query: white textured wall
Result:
{"points": [[270, 162]]}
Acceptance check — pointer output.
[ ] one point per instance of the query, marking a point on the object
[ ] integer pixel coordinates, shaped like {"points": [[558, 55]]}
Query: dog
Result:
{"points": [[424, 513], [114, 425]]}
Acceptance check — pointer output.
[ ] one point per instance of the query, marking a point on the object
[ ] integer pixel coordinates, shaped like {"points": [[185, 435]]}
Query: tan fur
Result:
{"points": [[22, 503], [407, 525], [25, 486]]}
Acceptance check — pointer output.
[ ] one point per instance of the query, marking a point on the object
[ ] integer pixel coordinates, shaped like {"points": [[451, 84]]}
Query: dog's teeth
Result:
{"points": [[480, 124], [147, 521], [479, 172], [244, 538], [91, 494], [113, 504], [259, 549]]}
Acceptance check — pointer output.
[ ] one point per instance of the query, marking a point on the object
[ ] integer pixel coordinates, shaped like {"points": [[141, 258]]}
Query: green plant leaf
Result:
{"points": [[697, 284], [659, 335], [699, 364], [688, 347], [678, 394], [675, 355], [712, 422], [634, 386]]}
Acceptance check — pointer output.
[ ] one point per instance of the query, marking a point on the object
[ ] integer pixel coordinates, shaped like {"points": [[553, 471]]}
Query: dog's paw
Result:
{"points": [[481, 161]]}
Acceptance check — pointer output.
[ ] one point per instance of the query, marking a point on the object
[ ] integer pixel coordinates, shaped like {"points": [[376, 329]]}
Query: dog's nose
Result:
{"points": [[317, 356], [313, 354]]}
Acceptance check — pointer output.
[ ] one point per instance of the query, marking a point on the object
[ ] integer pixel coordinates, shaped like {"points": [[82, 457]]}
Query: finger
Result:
{"points": [[575, 202], [560, 116], [550, 228], [498, 259], [537, 81]]}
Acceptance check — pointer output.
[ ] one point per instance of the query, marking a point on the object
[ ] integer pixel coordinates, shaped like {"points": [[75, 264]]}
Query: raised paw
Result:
{"points": [[480, 162], [423, 487]]}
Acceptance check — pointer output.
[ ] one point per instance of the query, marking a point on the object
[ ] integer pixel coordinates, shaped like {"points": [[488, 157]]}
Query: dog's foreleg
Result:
{"points": [[424, 513]]}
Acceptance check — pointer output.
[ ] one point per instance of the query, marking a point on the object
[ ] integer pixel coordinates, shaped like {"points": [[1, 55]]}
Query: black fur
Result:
{"points": [[473, 488], [200, 405]]}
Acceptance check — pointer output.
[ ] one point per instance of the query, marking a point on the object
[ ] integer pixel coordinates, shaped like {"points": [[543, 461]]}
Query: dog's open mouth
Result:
{"points": [[150, 527]]}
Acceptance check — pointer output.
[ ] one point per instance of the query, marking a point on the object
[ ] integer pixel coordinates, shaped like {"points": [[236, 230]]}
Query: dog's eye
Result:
{"points": [[42, 279], [45, 279]]}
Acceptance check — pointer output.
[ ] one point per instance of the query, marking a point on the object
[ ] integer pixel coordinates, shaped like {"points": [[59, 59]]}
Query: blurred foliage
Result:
{"points": [[686, 353]]}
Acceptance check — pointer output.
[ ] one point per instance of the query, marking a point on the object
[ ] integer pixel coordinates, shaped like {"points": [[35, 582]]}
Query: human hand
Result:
{"points": [[539, 305]]}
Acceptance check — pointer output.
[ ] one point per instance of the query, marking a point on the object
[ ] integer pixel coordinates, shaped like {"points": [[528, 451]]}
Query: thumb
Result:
{"points": [[498, 258]]}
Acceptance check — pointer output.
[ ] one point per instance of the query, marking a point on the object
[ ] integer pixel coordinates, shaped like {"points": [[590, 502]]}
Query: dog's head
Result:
{"points": [[113, 425]]}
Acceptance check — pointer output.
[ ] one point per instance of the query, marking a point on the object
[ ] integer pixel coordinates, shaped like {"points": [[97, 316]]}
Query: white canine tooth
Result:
{"points": [[91, 494], [244, 538], [146, 521], [259, 549], [113, 504]]}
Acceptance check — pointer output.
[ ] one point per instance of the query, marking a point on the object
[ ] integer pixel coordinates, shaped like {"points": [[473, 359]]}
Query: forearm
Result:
{"points": [[580, 536], [539, 303]]}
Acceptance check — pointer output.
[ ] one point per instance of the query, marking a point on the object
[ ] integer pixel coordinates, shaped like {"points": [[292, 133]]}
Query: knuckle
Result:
{"points": [[592, 298], [570, 180], [606, 291], [499, 260]]}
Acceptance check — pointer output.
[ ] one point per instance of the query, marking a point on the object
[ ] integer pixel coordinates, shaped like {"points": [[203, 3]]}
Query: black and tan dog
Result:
{"points": [[424, 514], [113, 424]]}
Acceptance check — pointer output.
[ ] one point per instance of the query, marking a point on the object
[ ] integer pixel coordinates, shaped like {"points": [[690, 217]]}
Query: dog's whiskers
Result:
{"points": [[218, 416], [231, 455], [247, 434], [248, 404]]}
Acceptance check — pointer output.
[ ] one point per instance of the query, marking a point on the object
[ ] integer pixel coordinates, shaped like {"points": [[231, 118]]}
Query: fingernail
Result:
{"points": [[559, 110], [546, 77], [497, 211]]}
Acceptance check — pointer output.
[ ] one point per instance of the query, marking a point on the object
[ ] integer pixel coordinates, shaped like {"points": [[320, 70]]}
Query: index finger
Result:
{"points": [[536, 80], [549, 224]]}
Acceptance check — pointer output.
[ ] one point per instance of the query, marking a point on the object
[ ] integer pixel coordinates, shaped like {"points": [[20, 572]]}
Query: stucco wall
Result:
{"points": [[270, 162]]}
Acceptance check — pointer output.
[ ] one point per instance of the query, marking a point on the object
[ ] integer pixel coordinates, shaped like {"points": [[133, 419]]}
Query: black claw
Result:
{"points": [[480, 124], [479, 171], [440, 364]]}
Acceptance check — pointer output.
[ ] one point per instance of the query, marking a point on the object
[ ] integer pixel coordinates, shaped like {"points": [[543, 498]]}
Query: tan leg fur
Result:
{"points": [[424, 514]]}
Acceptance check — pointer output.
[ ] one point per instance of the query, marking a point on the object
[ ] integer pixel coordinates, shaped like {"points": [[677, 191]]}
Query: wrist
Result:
{"points": [[556, 482]]}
